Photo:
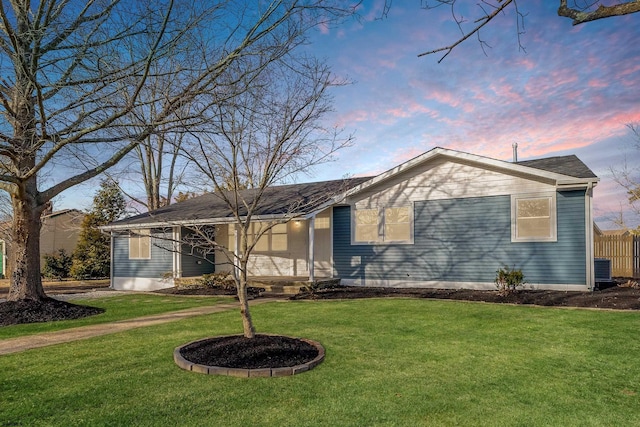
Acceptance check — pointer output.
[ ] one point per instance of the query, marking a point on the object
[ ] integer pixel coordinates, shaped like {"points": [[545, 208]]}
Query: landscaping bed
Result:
{"points": [[48, 310], [616, 297]]}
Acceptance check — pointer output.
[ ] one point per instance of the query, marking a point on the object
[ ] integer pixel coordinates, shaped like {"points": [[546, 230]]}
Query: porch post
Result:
{"points": [[312, 227], [111, 258], [177, 258], [236, 251]]}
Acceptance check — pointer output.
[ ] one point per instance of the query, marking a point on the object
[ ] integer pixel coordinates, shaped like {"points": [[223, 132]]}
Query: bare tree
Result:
{"points": [[628, 176], [72, 77], [579, 11], [267, 134]]}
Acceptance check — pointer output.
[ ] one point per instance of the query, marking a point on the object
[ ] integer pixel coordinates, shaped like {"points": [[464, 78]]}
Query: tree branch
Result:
{"points": [[581, 16]]}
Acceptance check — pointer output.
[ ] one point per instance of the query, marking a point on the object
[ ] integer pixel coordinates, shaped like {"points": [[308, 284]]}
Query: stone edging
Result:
{"points": [[249, 373]]}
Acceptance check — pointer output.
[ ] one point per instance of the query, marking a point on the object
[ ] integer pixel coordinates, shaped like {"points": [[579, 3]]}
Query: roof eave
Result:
{"points": [[195, 222]]}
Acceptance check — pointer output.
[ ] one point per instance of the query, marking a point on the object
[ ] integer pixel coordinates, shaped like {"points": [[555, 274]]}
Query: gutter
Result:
{"points": [[206, 221]]}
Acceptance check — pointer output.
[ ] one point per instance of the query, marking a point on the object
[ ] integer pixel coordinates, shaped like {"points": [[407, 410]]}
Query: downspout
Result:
{"points": [[589, 237]]}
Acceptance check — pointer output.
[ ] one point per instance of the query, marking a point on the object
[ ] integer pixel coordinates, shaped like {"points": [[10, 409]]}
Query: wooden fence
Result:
{"points": [[623, 251]]}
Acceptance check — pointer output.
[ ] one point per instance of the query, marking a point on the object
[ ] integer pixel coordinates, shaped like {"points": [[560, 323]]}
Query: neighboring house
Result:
{"points": [[444, 219], [616, 232], [59, 230]]}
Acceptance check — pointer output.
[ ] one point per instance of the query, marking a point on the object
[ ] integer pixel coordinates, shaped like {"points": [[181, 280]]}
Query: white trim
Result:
{"points": [[205, 221], [589, 243], [553, 237], [141, 283], [437, 284], [331, 241], [111, 258], [311, 225], [177, 258]]}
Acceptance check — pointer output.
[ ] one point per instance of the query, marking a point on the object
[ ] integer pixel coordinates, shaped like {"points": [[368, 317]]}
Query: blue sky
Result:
{"points": [[573, 91]]}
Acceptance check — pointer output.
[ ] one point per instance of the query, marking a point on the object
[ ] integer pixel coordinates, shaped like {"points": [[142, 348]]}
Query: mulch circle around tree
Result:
{"points": [[260, 356], [47, 310]]}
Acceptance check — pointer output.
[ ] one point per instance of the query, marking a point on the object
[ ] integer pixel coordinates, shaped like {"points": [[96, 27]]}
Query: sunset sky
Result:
{"points": [[573, 91], [567, 90]]}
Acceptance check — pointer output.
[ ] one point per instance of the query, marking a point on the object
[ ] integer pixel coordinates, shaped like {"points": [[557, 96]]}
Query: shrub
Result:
{"points": [[217, 280], [57, 266], [509, 280]]}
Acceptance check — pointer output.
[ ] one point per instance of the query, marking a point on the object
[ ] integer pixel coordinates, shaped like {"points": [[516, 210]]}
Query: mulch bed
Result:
{"points": [[262, 351], [617, 297], [48, 310]]}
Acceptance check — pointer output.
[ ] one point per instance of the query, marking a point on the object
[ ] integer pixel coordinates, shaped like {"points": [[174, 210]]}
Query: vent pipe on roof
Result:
{"points": [[515, 152]]}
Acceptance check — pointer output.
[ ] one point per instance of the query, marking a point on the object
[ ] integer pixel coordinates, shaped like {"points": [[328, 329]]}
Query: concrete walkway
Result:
{"points": [[15, 345]]}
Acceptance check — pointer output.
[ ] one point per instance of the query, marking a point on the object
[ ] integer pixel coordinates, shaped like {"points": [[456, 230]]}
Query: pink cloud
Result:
{"points": [[597, 83]]}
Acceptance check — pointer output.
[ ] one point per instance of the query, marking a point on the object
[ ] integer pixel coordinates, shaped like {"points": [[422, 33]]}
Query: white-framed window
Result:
{"points": [[140, 244], [391, 224], [366, 224], [273, 240], [533, 218]]}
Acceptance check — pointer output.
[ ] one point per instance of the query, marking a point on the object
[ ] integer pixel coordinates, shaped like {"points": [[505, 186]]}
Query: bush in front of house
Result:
{"points": [[57, 266], [509, 280], [220, 280]]}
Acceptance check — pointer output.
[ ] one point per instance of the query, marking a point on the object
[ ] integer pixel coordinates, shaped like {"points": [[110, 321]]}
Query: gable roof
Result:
{"points": [[566, 165], [563, 171], [277, 201], [308, 198]]}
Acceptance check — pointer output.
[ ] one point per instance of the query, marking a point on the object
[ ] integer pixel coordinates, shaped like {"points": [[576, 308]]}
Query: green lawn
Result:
{"points": [[389, 362], [119, 307]]}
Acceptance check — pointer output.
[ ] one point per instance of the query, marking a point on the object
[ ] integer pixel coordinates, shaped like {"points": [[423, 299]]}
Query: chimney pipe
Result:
{"points": [[515, 152]]}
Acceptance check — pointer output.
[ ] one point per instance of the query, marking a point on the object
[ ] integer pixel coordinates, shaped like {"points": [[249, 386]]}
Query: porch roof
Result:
{"points": [[279, 201]]}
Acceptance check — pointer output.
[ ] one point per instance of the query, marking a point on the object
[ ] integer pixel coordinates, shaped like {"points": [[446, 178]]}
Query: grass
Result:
{"points": [[119, 307], [389, 362]]}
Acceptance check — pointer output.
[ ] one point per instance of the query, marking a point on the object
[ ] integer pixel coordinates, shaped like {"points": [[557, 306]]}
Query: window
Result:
{"points": [[397, 224], [273, 240], [366, 224], [388, 225], [533, 218], [140, 244]]}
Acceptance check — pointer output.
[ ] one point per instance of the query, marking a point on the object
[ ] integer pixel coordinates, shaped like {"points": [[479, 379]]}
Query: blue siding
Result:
{"points": [[160, 263], [193, 266], [467, 240]]}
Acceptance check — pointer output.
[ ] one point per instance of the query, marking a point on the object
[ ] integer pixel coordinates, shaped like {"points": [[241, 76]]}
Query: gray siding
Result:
{"points": [[467, 240], [161, 261]]}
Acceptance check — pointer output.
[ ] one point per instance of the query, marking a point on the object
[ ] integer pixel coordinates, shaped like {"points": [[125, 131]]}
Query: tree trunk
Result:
{"points": [[26, 282], [247, 322]]}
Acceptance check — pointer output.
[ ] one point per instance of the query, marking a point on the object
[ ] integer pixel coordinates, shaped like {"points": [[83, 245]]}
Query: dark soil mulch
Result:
{"points": [[27, 311], [262, 351], [616, 297]]}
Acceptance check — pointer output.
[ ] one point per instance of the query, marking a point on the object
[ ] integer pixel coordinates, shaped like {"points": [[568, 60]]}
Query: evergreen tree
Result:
{"points": [[92, 257]]}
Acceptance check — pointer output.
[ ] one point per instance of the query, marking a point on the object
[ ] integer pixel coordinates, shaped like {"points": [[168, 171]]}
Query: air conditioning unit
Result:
{"points": [[602, 269]]}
